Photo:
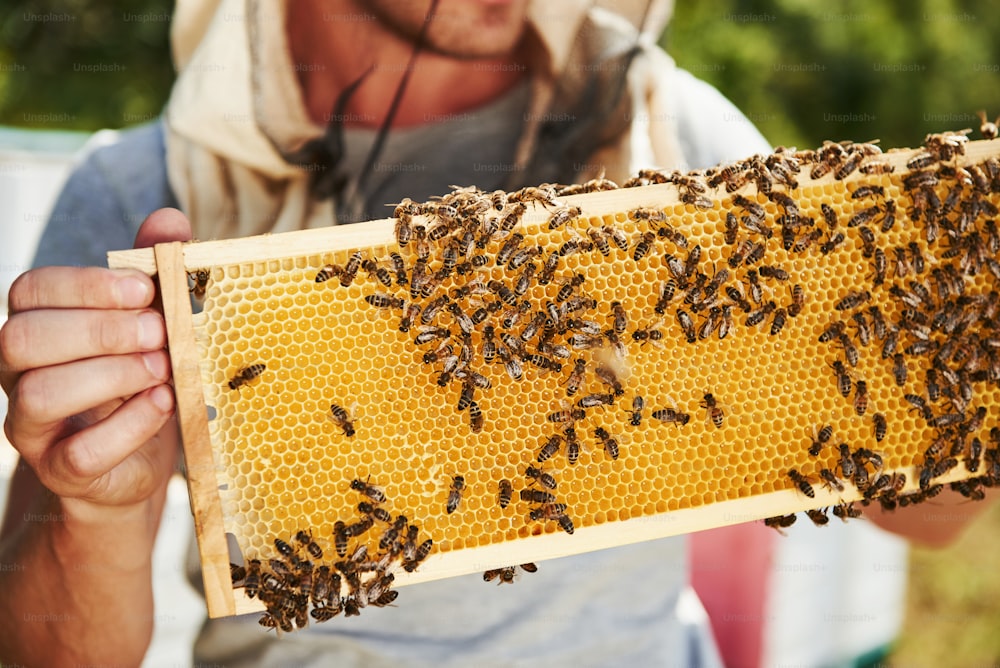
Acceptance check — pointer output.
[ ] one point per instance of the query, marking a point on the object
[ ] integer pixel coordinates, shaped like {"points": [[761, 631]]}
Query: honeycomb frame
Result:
{"points": [[754, 376]]}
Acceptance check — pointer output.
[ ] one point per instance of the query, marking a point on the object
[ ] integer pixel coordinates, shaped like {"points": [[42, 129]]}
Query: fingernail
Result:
{"points": [[156, 364], [150, 331], [132, 292], [162, 398]]}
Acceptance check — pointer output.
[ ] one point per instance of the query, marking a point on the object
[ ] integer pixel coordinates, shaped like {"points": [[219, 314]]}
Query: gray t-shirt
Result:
{"points": [[624, 606]]}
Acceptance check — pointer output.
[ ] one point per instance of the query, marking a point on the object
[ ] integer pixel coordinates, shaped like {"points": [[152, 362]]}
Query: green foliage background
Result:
{"points": [[803, 71]]}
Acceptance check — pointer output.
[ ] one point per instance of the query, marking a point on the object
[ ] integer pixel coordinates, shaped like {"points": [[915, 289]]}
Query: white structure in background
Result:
{"points": [[33, 167]]}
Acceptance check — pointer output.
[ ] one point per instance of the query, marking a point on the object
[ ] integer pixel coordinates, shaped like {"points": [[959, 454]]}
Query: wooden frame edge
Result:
{"points": [[192, 416]]}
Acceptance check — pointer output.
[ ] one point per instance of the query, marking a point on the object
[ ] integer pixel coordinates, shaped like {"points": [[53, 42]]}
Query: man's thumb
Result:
{"points": [[161, 226]]}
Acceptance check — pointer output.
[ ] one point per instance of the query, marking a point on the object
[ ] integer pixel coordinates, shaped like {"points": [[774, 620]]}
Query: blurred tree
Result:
{"points": [[806, 71], [802, 71], [83, 64]]}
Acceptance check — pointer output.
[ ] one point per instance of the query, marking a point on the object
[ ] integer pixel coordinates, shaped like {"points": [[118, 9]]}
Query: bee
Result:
{"points": [[879, 425], [754, 318], [245, 375], [430, 333], [567, 415], [821, 439], [251, 578], [609, 377], [343, 419], [199, 282], [987, 129], [537, 496], [802, 483], [780, 522], [549, 448], [778, 322], [576, 377], [667, 291], [600, 240], [476, 419], [553, 511], [327, 272], [350, 269], [860, 397], [798, 301], [671, 416], [847, 166], [638, 404], [455, 493], [568, 286], [544, 479], [643, 246], [619, 317], [572, 445], [340, 537], [420, 554], [852, 300], [563, 215], [844, 383], [830, 480], [687, 325], [511, 364], [818, 516], [616, 235], [384, 301], [610, 444], [715, 413], [372, 492]]}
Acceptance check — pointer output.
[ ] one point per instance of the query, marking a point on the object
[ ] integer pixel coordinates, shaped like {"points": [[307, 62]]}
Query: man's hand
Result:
{"points": [[82, 361]]}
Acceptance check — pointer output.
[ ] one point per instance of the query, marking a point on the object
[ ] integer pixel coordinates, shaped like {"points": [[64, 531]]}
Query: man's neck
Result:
{"points": [[329, 54]]}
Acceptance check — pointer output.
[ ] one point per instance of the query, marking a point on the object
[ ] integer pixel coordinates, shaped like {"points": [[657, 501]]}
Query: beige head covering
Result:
{"points": [[237, 98]]}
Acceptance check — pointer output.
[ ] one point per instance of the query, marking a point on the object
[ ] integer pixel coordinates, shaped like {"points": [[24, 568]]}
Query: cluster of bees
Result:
{"points": [[472, 290], [298, 584], [928, 317]]}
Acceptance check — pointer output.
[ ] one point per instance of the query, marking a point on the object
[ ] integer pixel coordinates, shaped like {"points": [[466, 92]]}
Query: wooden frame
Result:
{"points": [[172, 262]]}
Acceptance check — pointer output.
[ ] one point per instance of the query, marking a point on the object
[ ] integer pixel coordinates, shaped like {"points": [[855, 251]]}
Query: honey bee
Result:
{"points": [[643, 246], [350, 269], [553, 511], [544, 479], [563, 215], [422, 551], [537, 496], [343, 419], [852, 300], [455, 493], [754, 318], [860, 397], [372, 492], [246, 375], [549, 448], [327, 272], [610, 444], [199, 282], [671, 416], [340, 537], [572, 445], [638, 404], [802, 483], [821, 439], [476, 419], [778, 322], [251, 578], [384, 301], [576, 377], [687, 325], [879, 425], [780, 522], [844, 383], [830, 480], [504, 493], [987, 129], [715, 413]]}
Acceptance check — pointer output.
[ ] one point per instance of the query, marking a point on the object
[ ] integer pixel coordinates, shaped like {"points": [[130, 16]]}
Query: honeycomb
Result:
{"points": [[798, 331]]}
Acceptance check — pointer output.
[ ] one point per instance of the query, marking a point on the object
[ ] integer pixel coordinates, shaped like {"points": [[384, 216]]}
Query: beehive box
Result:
{"points": [[801, 331]]}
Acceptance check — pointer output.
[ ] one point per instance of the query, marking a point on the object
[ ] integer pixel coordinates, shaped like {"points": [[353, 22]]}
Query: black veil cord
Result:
{"points": [[322, 155], [383, 131]]}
